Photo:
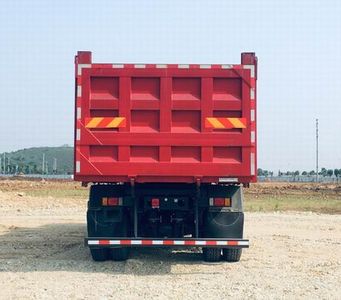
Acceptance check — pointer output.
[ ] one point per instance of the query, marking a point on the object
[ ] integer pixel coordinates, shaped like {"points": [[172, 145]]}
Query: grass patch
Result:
{"points": [[331, 205], [314, 202], [59, 193]]}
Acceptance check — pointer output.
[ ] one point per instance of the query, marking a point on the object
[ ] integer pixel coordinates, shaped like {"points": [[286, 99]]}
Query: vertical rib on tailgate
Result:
{"points": [[165, 123]]}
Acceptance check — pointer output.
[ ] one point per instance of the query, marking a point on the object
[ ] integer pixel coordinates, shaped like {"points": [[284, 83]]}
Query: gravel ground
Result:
{"points": [[42, 256]]}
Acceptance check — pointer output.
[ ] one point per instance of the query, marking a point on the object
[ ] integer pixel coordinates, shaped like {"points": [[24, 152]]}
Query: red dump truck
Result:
{"points": [[167, 149]]}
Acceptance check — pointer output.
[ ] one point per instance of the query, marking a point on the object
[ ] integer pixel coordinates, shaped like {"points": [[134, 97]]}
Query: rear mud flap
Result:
{"points": [[223, 224]]}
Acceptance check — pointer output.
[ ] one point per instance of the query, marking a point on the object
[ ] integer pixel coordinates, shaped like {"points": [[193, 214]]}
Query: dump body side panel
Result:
{"points": [[165, 123]]}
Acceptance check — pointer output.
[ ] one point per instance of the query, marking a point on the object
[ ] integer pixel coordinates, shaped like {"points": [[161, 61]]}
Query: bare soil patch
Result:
{"points": [[42, 255]]}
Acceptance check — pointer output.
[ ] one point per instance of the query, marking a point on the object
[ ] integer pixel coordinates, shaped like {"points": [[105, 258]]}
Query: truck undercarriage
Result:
{"points": [[121, 216]]}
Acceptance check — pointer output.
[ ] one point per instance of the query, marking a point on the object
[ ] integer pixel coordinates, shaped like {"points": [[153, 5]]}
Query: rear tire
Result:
{"points": [[232, 255], [119, 254], [212, 254], [99, 254], [122, 253]]}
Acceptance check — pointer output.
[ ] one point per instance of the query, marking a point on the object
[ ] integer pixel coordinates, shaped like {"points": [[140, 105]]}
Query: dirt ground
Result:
{"points": [[42, 255]]}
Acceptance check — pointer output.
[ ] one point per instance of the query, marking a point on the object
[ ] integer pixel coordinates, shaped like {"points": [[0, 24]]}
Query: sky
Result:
{"points": [[298, 44]]}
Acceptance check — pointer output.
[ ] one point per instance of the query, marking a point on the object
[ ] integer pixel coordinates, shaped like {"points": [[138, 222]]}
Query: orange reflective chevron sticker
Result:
{"points": [[105, 122], [225, 123]]}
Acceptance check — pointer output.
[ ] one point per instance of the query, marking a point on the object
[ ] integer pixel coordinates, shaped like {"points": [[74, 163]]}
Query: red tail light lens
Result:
{"points": [[155, 203], [111, 201], [220, 202]]}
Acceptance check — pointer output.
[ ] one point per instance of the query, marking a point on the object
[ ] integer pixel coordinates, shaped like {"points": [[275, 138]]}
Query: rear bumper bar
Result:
{"points": [[94, 242]]}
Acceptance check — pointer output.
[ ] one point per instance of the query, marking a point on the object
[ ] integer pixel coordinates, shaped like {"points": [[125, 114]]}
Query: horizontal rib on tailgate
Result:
{"points": [[165, 122]]}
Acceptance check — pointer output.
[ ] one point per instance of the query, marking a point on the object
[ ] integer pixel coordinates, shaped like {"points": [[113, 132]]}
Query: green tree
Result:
{"points": [[304, 173], [27, 169], [330, 172], [323, 172]]}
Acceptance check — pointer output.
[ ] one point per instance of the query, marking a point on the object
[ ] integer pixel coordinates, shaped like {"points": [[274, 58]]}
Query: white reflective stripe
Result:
{"points": [[211, 201], [136, 242], [161, 66], [253, 136], [228, 179], [252, 69], [252, 115], [79, 112], [81, 66], [179, 242], [118, 66], [226, 66], [183, 66], [205, 66], [243, 243], [162, 242], [252, 162], [200, 242], [115, 242], [78, 166], [156, 242], [221, 243], [252, 94], [139, 66], [78, 134], [79, 91], [93, 242]]}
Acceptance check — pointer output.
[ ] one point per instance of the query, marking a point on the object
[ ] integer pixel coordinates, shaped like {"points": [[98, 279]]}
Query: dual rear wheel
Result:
{"points": [[214, 254], [210, 254], [117, 254], [98, 228]]}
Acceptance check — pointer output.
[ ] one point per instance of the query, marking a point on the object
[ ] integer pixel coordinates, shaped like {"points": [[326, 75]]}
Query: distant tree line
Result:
{"points": [[38, 160], [14, 166], [324, 173]]}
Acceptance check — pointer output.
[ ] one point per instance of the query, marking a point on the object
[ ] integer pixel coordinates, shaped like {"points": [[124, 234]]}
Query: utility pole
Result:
{"points": [[43, 165], [55, 165], [317, 150]]}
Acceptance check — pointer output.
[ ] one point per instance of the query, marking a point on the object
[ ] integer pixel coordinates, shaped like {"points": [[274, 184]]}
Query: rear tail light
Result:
{"points": [[112, 201], [155, 203], [220, 202]]}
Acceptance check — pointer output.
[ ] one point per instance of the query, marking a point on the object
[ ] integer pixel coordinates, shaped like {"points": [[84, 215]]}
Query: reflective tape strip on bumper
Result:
{"points": [[168, 242]]}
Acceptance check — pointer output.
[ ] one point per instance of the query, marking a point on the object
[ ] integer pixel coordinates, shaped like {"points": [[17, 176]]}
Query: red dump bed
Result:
{"points": [[165, 122]]}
